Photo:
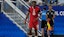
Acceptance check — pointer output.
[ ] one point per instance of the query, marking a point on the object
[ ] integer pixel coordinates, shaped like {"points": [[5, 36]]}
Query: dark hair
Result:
{"points": [[33, 1]]}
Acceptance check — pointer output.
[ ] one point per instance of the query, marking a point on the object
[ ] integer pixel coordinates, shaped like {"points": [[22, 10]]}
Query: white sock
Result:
{"points": [[30, 35], [36, 36]]}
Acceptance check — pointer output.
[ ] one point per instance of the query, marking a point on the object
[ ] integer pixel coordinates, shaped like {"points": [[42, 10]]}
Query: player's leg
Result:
{"points": [[30, 33], [48, 31], [42, 32], [36, 28], [30, 29], [42, 26], [52, 25], [36, 34]]}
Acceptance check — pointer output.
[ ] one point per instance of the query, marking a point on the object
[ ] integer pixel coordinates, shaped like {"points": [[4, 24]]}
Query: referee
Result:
{"points": [[50, 17], [43, 22]]}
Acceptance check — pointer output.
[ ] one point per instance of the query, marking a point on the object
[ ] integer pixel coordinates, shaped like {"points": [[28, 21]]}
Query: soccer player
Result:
{"points": [[50, 17], [33, 13], [43, 22]]}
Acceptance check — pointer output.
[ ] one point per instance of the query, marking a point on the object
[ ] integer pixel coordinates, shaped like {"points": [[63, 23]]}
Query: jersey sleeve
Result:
{"points": [[29, 10], [39, 10]]}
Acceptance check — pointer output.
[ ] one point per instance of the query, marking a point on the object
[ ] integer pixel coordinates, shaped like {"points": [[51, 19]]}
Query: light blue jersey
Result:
{"points": [[44, 15]]}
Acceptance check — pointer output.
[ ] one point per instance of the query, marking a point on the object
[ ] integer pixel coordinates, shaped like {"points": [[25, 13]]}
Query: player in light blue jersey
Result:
{"points": [[43, 22]]}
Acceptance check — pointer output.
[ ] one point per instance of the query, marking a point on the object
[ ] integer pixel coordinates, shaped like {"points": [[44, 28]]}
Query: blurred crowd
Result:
{"points": [[47, 2]]}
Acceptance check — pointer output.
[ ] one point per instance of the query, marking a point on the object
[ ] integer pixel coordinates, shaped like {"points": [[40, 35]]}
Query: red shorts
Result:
{"points": [[33, 25]]}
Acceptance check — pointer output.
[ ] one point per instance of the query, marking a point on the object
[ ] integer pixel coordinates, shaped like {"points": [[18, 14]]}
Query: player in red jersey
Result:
{"points": [[33, 13]]}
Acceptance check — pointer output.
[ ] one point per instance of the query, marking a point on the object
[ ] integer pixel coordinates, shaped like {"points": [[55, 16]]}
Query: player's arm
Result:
{"points": [[39, 16], [53, 14], [40, 13], [26, 17], [47, 17]]}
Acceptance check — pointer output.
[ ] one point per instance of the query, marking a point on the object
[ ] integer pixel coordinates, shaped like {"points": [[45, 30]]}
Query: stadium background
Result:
{"points": [[12, 15]]}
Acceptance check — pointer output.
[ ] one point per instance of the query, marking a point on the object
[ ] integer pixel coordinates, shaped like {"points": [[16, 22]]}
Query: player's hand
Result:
{"points": [[24, 21], [35, 19]]}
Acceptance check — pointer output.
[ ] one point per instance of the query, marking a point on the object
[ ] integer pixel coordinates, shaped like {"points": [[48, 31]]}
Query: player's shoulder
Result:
{"points": [[38, 7], [52, 10], [30, 7]]}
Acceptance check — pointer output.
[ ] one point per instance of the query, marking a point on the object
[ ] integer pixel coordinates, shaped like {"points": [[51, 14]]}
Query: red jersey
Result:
{"points": [[34, 12]]}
